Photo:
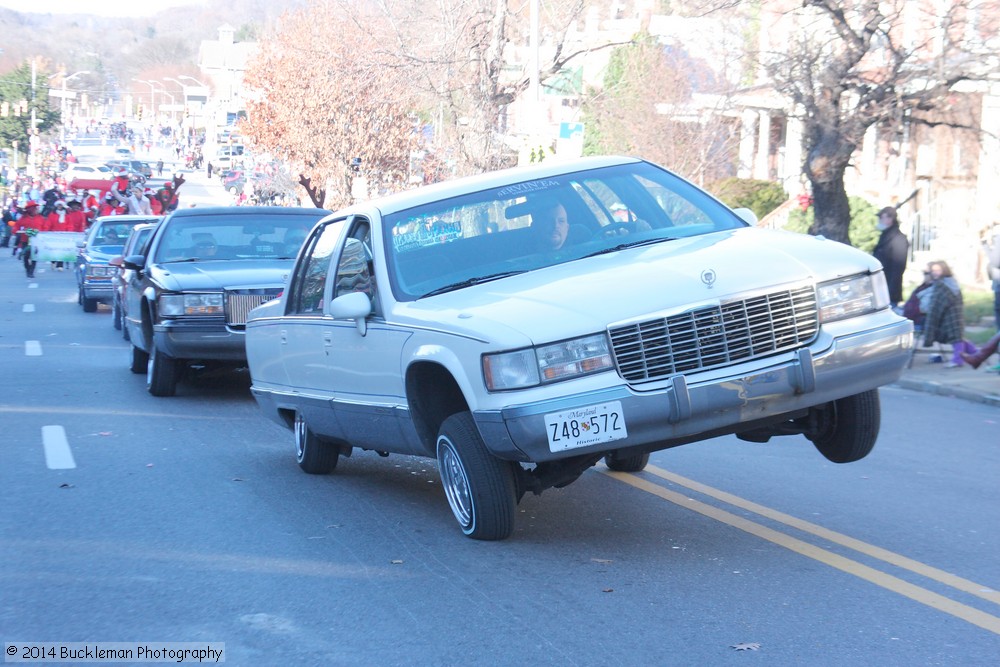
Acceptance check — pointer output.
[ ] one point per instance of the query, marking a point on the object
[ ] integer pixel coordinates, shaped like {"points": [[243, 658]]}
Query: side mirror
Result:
{"points": [[134, 262], [747, 216], [354, 306]]}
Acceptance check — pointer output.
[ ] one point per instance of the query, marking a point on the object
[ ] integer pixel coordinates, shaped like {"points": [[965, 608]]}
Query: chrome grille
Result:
{"points": [[239, 303], [716, 336]]}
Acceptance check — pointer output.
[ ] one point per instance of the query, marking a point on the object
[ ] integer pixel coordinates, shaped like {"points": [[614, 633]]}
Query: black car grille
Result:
{"points": [[716, 336], [239, 303]]}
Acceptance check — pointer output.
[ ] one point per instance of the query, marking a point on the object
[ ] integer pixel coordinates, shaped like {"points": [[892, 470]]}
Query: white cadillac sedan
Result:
{"points": [[520, 326]]}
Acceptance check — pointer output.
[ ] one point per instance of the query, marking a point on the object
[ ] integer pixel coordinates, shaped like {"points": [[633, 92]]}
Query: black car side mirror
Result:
{"points": [[134, 262]]}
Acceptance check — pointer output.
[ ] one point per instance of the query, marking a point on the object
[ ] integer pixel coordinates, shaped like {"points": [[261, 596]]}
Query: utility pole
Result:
{"points": [[32, 141]]}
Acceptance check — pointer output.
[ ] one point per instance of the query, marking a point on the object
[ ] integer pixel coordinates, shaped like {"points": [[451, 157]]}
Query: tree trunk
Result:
{"points": [[831, 211], [825, 165]]}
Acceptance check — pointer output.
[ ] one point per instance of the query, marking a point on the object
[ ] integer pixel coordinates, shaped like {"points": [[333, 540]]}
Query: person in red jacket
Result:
{"points": [[29, 224], [76, 219]]}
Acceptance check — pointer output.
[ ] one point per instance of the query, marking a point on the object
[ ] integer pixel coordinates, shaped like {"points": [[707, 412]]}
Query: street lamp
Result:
{"points": [[62, 131], [152, 93], [191, 78]]}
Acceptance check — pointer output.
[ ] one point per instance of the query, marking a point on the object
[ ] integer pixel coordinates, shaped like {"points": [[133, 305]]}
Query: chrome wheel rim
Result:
{"points": [[300, 437], [455, 482]]}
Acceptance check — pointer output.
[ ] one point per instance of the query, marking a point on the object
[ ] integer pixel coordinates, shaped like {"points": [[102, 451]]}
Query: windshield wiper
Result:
{"points": [[469, 282], [630, 244]]}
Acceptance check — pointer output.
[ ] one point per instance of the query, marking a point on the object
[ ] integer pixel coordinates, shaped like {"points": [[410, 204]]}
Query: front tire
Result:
{"points": [[140, 361], [89, 305], [116, 314], [161, 373], [480, 488], [315, 455], [849, 427]]}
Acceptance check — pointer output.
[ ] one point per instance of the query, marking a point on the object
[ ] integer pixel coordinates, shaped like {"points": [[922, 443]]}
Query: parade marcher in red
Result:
{"points": [[29, 224], [76, 219]]}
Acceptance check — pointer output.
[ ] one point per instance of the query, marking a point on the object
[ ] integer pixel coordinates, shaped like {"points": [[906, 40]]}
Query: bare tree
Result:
{"points": [[323, 99], [856, 64], [459, 54], [650, 105]]}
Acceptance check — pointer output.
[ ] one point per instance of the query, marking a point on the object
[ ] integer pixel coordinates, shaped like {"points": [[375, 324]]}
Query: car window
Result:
{"points": [[233, 237], [452, 243], [355, 269], [309, 282]]}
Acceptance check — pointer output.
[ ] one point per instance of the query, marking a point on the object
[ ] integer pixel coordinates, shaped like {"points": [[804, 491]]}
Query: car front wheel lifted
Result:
{"points": [[848, 427], [480, 488]]}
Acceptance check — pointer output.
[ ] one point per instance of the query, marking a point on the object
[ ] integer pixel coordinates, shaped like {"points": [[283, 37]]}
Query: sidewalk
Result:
{"points": [[981, 386]]}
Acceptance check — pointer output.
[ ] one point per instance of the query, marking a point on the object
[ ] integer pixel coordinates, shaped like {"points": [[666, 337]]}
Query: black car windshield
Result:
{"points": [[232, 237], [457, 242]]}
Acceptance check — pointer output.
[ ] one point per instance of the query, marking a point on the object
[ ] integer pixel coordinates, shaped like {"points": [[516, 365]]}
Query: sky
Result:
{"points": [[99, 7]]}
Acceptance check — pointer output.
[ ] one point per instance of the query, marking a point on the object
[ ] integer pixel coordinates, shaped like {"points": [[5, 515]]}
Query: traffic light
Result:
{"points": [[138, 112]]}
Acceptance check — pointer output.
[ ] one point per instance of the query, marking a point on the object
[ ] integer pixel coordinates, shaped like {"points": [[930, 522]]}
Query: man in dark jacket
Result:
{"points": [[892, 250]]}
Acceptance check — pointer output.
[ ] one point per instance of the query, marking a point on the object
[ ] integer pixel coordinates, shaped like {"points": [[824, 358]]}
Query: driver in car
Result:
{"points": [[550, 225]]}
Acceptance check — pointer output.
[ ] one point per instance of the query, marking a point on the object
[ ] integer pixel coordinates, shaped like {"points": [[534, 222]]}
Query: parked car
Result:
{"points": [[509, 326], [104, 240], [134, 245], [203, 270], [234, 180], [88, 172]]}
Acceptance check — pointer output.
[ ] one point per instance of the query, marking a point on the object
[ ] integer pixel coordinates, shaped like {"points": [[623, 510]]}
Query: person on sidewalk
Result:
{"points": [[892, 250], [984, 353], [945, 320]]}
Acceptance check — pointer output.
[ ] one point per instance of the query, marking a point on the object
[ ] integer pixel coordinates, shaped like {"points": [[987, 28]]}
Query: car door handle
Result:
{"points": [[327, 339], [284, 337]]}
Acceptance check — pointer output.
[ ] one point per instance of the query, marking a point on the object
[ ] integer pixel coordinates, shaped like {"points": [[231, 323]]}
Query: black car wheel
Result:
{"points": [[480, 488], [634, 463], [849, 427], [315, 455], [140, 361], [89, 305], [161, 373], [116, 314]]}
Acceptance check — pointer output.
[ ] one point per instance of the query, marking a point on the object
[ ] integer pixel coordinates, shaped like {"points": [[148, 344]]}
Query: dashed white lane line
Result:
{"points": [[58, 455], [32, 285], [28, 308], [32, 348]]}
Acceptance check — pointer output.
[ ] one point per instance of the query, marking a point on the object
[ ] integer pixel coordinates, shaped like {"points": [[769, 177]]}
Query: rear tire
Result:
{"points": [[315, 455], [849, 428], [634, 463], [481, 489], [161, 373]]}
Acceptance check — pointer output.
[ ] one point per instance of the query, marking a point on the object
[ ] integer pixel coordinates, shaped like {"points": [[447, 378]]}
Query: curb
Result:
{"points": [[929, 387]]}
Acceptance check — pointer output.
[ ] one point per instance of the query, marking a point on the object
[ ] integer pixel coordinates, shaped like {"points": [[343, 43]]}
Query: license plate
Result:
{"points": [[582, 427]]}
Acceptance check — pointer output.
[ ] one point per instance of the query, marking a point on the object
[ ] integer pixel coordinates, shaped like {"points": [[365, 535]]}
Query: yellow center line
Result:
{"points": [[946, 578], [887, 581]]}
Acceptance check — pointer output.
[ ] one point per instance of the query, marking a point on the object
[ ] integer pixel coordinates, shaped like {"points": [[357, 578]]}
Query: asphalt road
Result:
{"points": [[128, 518]]}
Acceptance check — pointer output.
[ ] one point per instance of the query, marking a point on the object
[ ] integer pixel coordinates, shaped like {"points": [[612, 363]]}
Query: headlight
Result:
{"points": [[100, 270], [850, 297], [176, 305], [547, 363]]}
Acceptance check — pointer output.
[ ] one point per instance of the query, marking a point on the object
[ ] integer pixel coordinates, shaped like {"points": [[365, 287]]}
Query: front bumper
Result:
{"points": [[98, 289], [680, 409], [208, 341]]}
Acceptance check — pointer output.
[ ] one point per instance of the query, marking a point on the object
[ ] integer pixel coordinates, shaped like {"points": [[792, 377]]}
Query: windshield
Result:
{"points": [[229, 237], [494, 233]]}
